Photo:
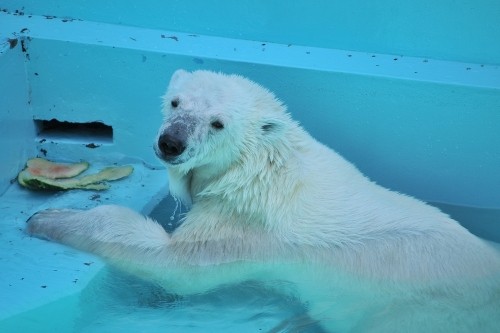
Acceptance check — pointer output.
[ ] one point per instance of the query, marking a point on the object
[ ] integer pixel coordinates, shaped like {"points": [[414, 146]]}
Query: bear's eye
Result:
{"points": [[175, 103], [217, 124]]}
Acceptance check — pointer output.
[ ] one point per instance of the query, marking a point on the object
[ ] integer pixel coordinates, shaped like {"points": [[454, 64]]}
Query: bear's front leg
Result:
{"points": [[113, 232]]}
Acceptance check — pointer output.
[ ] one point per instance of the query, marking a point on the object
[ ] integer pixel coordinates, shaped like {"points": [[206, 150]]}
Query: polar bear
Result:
{"points": [[270, 203]]}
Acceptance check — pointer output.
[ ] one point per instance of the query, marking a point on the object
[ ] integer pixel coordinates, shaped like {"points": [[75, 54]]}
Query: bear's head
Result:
{"points": [[215, 122]]}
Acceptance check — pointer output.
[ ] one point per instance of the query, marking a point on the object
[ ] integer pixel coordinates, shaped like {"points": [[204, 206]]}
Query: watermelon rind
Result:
{"points": [[95, 181], [44, 168]]}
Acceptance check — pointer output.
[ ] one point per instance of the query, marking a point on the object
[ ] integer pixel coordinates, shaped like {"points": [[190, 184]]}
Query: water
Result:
{"points": [[144, 307], [482, 222], [168, 213], [117, 302]]}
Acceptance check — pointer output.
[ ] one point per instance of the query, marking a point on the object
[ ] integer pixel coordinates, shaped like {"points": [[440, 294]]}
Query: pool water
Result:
{"points": [[115, 301]]}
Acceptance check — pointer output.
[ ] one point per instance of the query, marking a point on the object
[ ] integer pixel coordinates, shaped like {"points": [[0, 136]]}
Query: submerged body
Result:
{"points": [[270, 203]]}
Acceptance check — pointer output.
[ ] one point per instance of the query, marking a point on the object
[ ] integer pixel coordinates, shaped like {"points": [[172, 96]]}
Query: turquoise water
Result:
{"points": [[115, 302]]}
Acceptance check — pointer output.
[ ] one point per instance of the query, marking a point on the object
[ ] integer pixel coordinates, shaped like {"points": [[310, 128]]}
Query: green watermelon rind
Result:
{"points": [[95, 181]]}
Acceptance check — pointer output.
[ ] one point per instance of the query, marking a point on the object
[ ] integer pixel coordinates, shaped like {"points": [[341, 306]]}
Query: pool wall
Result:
{"points": [[414, 105], [409, 92]]}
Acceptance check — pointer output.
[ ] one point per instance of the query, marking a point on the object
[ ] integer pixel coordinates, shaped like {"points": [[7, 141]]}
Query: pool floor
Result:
{"points": [[36, 272]]}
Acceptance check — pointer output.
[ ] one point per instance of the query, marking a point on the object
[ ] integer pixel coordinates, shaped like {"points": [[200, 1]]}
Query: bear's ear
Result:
{"points": [[178, 76], [272, 127]]}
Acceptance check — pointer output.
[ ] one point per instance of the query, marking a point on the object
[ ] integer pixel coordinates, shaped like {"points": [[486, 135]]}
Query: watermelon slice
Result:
{"points": [[41, 174], [40, 167]]}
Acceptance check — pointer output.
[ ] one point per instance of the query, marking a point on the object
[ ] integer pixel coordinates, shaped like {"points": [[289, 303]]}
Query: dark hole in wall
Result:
{"points": [[56, 130]]}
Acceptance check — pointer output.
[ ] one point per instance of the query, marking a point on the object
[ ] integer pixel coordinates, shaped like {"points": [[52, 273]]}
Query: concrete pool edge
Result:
{"points": [[258, 52]]}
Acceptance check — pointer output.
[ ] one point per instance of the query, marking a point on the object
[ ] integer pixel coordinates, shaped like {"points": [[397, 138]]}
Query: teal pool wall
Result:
{"points": [[408, 92]]}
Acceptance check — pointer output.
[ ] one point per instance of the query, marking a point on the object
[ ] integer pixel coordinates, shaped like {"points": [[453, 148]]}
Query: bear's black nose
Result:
{"points": [[171, 145]]}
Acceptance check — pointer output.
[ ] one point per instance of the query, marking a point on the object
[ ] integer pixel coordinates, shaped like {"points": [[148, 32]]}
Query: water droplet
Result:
{"points": [[177, 206]]}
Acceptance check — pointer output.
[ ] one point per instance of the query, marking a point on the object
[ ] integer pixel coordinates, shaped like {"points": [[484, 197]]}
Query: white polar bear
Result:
{"points": [[270, 203]]}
